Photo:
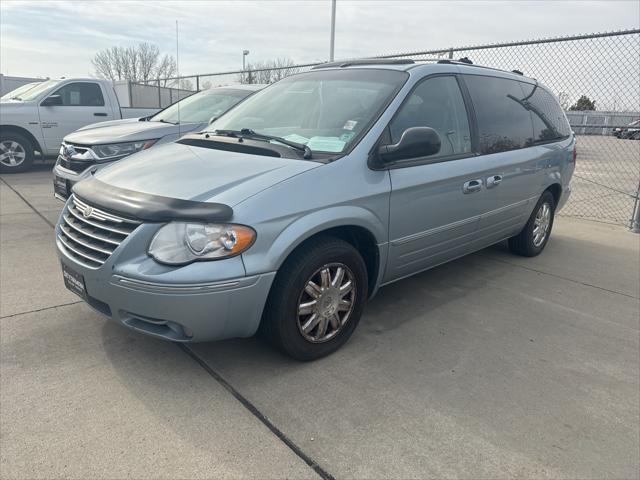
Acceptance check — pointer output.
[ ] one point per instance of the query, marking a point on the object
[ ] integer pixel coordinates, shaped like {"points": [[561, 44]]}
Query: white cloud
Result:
{"points": [[60, 38]]}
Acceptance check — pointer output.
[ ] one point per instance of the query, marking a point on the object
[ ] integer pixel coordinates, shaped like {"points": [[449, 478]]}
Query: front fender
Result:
{"points": [[273, 251]]}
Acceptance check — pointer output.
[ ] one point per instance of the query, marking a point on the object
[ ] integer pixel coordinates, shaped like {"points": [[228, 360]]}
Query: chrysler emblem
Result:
{"points": [[87, 212]]}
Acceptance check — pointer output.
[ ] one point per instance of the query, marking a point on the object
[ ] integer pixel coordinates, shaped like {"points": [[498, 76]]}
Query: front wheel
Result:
{"points": [[16, 153], [535, 234], [316, 300]]}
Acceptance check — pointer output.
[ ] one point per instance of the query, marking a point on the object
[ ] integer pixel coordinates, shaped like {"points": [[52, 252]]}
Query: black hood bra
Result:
{"points": [[147, 207]]}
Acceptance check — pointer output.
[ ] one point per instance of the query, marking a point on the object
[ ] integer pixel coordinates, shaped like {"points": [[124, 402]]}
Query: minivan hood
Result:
{"points": [[124, 131], [201, 174]]}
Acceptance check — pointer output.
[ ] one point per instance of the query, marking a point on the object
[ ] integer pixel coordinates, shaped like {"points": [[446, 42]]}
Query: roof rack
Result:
{"points": [[365, 61], [467, 62]]}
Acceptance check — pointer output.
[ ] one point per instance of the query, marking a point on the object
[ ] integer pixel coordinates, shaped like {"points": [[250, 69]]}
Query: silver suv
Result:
{"points": [[312, 194]]}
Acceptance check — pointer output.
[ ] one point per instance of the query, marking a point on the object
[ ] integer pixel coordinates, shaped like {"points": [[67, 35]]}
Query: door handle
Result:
{"points": [[494, 181], [99, 114], [472, 186]]}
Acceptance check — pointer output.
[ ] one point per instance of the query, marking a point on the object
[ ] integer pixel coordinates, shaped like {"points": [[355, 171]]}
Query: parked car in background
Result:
{"points": [[631, 131], [293, 208], [37, 119], [106, 142]]}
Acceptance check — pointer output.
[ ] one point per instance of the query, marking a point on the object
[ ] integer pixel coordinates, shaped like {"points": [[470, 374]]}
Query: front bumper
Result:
{"points": [[203, 301], [64, 179]]}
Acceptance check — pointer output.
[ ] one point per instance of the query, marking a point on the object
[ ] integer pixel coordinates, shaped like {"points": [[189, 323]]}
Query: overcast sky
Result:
{"points": [[59, 38]]}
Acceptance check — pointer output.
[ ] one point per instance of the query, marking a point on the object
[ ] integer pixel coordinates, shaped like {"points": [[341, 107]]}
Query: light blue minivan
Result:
{"points": [[294, 207]]}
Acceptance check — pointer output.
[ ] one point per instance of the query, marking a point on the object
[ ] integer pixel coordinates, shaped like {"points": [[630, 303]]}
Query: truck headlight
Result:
{"points": [[179, 243], [121, 149]]}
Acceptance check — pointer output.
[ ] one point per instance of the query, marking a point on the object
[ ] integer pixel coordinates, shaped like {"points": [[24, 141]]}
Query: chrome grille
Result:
{"points": [[75, 157], [90, 235]]}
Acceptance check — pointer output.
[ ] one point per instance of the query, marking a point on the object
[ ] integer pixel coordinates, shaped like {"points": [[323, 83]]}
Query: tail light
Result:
{"points": [[574, 155]]}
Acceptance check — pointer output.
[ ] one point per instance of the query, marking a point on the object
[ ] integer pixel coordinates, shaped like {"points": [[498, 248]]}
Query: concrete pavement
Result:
{"points": [[493, 366]]}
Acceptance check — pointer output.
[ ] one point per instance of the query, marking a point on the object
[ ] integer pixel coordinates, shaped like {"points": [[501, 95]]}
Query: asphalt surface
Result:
{"points": [[492, 366]]}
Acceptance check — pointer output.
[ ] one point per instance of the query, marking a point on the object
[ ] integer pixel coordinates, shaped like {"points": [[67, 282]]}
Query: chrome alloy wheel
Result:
{"points": [[541, 224], [12, 153], [326, 303]]}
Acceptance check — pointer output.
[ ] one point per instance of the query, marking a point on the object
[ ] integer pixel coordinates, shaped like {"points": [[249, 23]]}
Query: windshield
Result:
{"points": [[200, 107], [34, 92], [17, 93], [327, 110]]}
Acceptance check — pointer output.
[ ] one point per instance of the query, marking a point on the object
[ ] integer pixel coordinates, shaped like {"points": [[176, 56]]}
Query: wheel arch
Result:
{"points": [[24, 132], [556, 191], [355, 225]]}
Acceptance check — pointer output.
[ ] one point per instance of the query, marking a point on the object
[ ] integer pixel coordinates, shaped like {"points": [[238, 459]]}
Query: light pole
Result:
{"points": [[333, 29], [244, 55]]}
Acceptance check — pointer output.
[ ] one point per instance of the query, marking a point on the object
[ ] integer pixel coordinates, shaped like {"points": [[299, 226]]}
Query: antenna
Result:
{"points": [[178, 74]]}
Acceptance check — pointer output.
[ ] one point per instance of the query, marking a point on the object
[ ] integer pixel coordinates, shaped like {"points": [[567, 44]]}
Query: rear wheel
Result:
{"points": [[316, 300], [535, 234], [16, 153]]}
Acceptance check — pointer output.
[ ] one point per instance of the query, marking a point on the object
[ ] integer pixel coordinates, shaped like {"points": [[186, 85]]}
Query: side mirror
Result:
{"points": [[52, 101], [414, 142]]}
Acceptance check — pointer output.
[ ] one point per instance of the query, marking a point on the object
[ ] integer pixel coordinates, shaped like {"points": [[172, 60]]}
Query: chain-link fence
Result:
{"points": [[597, 80]]}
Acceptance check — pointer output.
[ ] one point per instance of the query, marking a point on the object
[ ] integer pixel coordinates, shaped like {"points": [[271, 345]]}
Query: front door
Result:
{"points": [[435, 200], [82, 103]]}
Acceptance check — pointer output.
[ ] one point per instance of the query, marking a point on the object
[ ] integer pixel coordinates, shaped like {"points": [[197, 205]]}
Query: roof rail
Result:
{"points": [[466, 62], [366, 61]]}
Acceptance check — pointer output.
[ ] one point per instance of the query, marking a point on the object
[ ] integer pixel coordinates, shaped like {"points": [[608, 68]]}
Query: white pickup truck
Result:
{"points": [[36, 120]]}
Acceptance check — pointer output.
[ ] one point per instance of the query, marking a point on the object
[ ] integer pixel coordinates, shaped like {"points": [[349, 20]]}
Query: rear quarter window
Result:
{"points": [[549, 120], [504, 122]]}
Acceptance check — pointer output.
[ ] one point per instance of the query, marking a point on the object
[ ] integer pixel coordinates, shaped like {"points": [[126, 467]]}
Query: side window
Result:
{"points": [[436, 103], [504, 122], [81, 94], [549, 121]]}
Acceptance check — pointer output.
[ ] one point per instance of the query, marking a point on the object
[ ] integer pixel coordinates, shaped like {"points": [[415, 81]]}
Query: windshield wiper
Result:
{"points": [[167, 121], [248, 133], [16, 98]]}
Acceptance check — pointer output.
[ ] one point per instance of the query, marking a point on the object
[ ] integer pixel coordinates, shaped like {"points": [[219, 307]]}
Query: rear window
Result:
{"points": [[504, 122], [549, 121]]}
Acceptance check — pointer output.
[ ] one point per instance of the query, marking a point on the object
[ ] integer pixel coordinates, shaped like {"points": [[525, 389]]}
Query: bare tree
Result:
{"points": [[139, 63], [269, 71], [563, 99]]}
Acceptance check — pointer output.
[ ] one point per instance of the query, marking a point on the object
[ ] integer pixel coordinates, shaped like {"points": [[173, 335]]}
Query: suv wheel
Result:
{"points": [[316, 300], [16, 153], [535, 234]]}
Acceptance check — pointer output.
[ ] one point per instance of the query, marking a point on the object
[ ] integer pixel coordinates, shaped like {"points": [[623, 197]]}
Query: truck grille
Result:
{"points": [[90, 235], [70, 160]]}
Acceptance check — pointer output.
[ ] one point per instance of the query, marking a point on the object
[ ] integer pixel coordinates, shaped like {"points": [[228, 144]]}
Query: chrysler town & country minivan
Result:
{"points": [[299, 203]]}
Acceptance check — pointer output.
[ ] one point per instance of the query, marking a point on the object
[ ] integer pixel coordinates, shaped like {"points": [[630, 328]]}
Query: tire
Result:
{"points": [[293, 319], [527, 243], [16, 153]]}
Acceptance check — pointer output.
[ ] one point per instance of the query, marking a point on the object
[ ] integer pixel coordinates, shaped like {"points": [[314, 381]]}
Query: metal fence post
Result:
{"points": [[159, 95], [451, 53], [635, 218], [197, 83]]}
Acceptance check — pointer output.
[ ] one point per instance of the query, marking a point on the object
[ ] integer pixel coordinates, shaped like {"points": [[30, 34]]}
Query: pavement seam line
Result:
{"points": [[41, 309], [257, 413], [559, 276], [27, 202]]}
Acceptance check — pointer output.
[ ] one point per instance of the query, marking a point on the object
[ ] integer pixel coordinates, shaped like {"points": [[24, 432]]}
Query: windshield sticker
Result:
{"points": [[294, 137], [347, 136], [350, 125], [326, 144]]}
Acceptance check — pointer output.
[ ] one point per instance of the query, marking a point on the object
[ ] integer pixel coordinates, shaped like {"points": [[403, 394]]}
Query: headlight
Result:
{"points": [[121, 149], [178, 243]]}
